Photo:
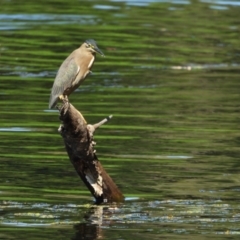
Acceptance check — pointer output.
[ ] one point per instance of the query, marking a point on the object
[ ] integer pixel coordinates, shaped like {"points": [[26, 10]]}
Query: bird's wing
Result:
{"points": [[65, 76]]}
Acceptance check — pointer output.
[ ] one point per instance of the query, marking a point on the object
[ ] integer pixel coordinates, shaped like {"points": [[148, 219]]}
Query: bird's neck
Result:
{"points": [[91, 62]]}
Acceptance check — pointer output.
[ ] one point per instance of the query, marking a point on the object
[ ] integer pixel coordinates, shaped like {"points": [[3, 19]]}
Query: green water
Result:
{"points": [[170, 79]]}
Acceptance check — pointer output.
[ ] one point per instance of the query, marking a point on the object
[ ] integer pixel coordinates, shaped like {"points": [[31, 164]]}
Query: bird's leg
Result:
{"points": [[63, 98]]}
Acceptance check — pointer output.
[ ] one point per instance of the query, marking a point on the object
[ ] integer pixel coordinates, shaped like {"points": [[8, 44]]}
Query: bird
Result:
{"points": [[73, 71]]}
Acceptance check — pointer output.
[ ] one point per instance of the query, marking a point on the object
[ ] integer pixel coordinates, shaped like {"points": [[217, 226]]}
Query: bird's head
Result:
{"points": [[91, 46]]}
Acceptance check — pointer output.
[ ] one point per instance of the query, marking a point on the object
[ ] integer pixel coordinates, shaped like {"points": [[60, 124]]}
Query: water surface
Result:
{"points": [[171, 80]]}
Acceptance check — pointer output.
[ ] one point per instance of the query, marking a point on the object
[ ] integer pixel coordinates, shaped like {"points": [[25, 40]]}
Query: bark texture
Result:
{"points": [[78, 139]]}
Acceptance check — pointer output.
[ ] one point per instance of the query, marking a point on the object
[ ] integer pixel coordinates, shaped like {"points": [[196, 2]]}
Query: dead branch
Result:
{"points": [[79, 143]]}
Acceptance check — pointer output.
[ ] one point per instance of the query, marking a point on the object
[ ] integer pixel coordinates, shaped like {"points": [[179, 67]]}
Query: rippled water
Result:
{"points": [[171, 80]]}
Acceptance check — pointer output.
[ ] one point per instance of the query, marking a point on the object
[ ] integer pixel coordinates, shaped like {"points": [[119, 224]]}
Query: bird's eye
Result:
{"points": [[87, 45]]}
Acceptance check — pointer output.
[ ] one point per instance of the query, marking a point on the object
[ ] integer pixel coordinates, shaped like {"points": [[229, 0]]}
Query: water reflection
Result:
{"points": [[23, 21], [145, 217], [15, 129], [172, 85], [222, 2], [147, 2]]}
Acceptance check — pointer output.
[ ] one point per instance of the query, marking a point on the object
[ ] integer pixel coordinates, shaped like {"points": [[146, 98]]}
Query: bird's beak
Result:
{"points": [[99, 51]]}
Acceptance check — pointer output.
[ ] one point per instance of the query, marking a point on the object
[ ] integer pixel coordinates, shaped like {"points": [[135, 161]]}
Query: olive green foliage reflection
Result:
{"points": [[171, 80]]}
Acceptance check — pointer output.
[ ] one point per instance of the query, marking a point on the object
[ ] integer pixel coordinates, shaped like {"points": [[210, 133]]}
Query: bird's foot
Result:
{"points": [[63, 98]]}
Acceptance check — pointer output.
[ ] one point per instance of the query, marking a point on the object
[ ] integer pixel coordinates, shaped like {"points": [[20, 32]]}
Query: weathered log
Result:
{"points": [[78, 139]]}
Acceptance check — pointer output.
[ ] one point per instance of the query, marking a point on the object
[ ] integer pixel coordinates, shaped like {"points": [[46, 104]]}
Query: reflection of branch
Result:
{"points": [[95, 218], [78, 139]]}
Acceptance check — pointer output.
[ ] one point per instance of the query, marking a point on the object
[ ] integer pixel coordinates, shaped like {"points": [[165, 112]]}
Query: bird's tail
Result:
{"points": [[52, 101]]}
